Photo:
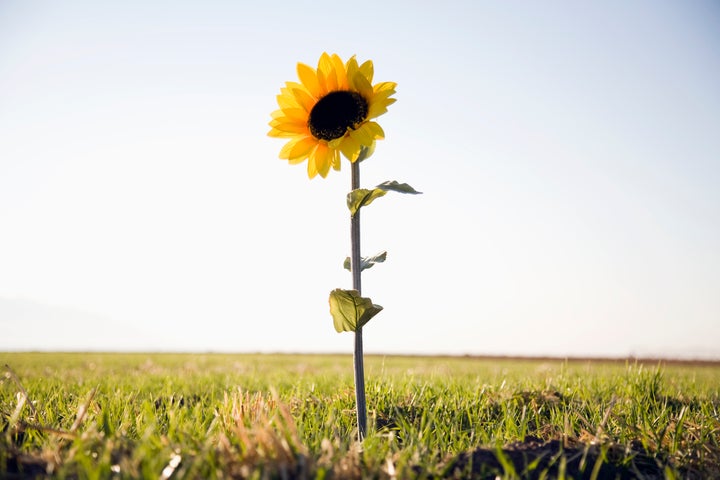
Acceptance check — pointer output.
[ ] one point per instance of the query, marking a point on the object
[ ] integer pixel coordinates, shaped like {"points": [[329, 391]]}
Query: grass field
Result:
{"points": [[292, 416]]}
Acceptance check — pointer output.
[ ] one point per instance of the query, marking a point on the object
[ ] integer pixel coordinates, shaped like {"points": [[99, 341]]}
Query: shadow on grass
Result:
{"points": [[534, 458]]}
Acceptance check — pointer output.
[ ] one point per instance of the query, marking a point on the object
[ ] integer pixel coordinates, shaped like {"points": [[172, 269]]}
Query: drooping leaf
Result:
{"points": [[366, 262], [350, 311], [395, 186], [362, 196]]}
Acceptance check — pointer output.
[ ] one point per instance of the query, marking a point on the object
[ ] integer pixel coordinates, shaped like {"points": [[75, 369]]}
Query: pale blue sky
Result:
{"points": [[568, 151]]}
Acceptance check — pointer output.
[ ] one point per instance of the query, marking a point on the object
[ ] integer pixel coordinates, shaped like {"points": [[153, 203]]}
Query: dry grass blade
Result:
{"points": [[606, 417], [390, 468], [263, 432], [23, 426], [289, 424], [15, 378], [82, 411], [21, 399], [172, 465], [24, 398]]}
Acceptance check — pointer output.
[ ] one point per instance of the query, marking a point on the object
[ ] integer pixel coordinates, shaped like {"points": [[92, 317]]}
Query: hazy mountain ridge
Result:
{"points": [[31, 325]]}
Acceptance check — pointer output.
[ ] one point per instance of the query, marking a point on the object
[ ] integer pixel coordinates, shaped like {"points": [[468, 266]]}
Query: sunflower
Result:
{"points": [[330, 112]]}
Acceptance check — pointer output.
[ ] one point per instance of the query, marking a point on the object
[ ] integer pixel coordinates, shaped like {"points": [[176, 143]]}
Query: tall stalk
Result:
{"points": [[356, 270]]}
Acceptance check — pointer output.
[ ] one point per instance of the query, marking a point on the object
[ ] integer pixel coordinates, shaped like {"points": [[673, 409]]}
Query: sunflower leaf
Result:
{"points": [[362, 196], [350, 311], [395, 186], [366, 262]]}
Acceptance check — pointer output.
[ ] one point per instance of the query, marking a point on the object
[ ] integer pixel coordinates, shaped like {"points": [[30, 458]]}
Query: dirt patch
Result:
{"points": [[535, 459]]}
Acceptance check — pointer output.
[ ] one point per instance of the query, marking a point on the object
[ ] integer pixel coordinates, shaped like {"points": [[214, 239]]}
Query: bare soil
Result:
{"points": [[535, 459]]}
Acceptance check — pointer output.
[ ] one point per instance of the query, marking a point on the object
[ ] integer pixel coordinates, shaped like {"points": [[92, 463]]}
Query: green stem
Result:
{"points": [[355, 269]]}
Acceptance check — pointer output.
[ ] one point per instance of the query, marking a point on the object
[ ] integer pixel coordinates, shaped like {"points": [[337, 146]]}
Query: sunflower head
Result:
{"points": [[329, 112]]}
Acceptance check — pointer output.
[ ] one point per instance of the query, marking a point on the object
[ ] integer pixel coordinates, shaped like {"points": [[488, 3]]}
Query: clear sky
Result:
{"points": [[569, 155]]}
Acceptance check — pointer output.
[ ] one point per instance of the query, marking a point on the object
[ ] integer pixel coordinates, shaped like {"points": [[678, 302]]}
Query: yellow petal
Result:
{"points": [[333, 161], [304, 99], [277, 114], [323, 83], [351, 67], [383, 86], [301, 149], [378, 105], [312, 167], [363, 135], [340, 72], [283, 120], [382, 96], [289, 126], [323, 159], [370, 150], [309, 79], [326, 67], [294, 114], [324, 63], [367, 70], [285, 150], [382, 99], [290, 87], [376, 109], [331, 81], [281, 133], [335, 143], [350, 148], [362, 85], [375, 130], [287, 100]]}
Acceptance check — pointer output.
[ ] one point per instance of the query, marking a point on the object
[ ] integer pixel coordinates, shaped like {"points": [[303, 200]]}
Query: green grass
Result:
{"points": [[292, 416]]}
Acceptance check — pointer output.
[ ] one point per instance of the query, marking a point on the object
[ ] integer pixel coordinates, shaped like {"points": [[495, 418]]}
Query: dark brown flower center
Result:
{"points": [[337, 111]]}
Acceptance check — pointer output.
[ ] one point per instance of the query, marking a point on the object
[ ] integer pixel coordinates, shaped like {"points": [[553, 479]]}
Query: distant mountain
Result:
{"points": [[31, 325]]}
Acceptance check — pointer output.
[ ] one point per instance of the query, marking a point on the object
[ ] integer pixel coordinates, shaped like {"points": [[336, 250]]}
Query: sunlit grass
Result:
{"points": [[239, 416]]}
